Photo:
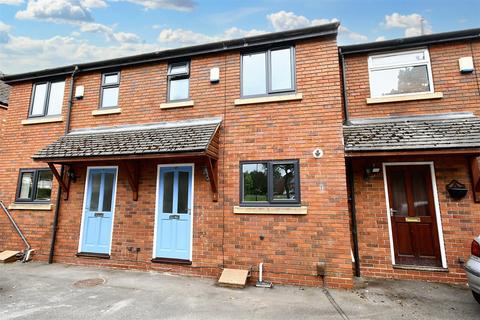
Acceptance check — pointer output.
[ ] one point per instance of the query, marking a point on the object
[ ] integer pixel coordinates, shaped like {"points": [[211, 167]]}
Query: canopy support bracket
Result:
{"points": [[65, 186], [212, 170], [131, 169]]}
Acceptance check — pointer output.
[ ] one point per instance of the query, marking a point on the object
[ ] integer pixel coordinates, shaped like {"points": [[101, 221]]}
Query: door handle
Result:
{"points": [[392, 212], [98, 214]]}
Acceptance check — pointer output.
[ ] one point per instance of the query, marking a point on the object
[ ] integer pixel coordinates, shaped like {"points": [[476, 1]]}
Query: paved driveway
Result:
{"points": [[41, 291]]}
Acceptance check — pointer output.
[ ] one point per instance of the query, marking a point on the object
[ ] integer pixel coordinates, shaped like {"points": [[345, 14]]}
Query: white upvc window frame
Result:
{"points": [[426, 62]]}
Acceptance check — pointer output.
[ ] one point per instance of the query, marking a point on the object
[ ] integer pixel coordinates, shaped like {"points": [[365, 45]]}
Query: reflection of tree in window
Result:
{"points": [[283, 182], [255, 182], [412, 79]]}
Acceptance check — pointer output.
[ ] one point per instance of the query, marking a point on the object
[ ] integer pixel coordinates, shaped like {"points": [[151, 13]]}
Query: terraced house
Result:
{"points": [[322, 164]]}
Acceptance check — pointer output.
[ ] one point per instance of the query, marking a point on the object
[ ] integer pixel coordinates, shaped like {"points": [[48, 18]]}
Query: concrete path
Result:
{"points": [[41, 291]]}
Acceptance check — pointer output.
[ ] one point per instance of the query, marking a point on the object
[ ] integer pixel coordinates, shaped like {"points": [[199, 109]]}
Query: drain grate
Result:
{"points": [[87, 283]]}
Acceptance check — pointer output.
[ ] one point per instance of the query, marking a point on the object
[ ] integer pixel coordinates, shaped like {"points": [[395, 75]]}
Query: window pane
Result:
{"points": [[26, 185], [55, 100], [399, 195], [168, 192], [178, 69], [44, 185], [38, 105], [254, 75], [183, 182], [108, 191], [284, 182], [110, 97], [399, 80], [281, 70], [95, 190], [254, 182], [409, 57], [110, 79], [420, 196], [178, 89]]}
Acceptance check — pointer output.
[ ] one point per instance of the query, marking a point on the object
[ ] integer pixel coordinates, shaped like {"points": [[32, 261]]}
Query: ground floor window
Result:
{"points": [[270, 182], [34, 185]]}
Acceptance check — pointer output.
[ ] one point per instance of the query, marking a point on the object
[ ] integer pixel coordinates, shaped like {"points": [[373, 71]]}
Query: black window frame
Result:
{"points": [[268, 71], [270, 201], [46, 100], [178, 76], [36, 173], [104, 86]]}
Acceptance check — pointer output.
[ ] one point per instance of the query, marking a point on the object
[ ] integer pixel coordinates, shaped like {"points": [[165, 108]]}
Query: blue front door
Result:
{"points": [[98, 212], [174, 213]]}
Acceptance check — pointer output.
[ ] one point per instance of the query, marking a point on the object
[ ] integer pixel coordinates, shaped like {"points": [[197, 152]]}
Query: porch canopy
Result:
{"points": [[441, 134], [196, 139]]}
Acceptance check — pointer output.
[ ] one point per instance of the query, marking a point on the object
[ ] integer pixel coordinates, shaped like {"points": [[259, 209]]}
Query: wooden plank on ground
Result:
{"points": [[233, 278], [8, 256]]}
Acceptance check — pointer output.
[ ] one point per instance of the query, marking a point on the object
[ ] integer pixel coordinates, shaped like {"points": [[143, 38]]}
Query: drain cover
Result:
{"points": [[87, 283]]}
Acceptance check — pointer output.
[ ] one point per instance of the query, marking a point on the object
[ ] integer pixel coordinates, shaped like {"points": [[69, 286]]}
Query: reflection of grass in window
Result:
{"points": [[253, 197], [43, 194]]}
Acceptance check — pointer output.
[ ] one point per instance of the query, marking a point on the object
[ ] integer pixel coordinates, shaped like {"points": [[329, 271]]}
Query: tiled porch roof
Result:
{"points": [[459, 130], [133, 140]]}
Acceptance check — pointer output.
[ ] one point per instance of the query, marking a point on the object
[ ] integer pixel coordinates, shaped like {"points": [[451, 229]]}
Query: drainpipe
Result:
{"points": [[62, 170], [353, 213], [344, 87]]}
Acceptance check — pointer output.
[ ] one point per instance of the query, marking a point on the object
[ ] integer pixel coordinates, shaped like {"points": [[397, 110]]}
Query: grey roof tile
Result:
{"points": [[434, 133], [156, 138], [4, 92]]}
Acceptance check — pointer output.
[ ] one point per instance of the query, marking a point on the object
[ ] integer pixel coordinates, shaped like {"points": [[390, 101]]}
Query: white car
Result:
{"points": [[472, 268]]}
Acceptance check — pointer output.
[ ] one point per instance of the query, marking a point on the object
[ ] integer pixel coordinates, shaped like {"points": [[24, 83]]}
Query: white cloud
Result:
{"points": [[94, 3], [187, 37], [178, 5], [21, 54], [381, 38], [4, 30], [283, 20], [11, 2], [55, 10], [412, 24]]}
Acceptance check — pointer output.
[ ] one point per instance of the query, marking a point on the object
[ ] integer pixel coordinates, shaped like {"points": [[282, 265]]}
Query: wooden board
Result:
{"points": [[8, 256], [233, 278]]}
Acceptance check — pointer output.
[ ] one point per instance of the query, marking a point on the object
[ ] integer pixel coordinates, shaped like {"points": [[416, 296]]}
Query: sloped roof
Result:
{"points": [[413, 133], [148, 139], [4, 92]]}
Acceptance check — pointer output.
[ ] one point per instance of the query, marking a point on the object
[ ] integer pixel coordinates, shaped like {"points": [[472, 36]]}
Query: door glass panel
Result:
{"points": [[168, 192], [420, 196], [44, 185], [183, 181], [284, 182], [398, 194], [26, 185], [95, 191], [108, 191]]}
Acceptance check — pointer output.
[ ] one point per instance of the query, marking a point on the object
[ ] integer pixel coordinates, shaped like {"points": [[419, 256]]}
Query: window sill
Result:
{"points": [[273, 98], [101, 112], [93, 255], [180, 104], [419, 268], [171, 261], [42, 120], [30, 206], [270, 210], [411, 97]]}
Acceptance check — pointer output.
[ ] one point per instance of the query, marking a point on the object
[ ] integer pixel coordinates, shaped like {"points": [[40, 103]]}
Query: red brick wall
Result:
{"points": [[460, 220], [461, 92], [287, 130]]}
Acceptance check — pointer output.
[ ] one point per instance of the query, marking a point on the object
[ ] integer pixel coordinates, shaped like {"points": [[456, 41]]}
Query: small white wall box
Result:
{"points": [[214, 75], [465, 64], [79, 90]]}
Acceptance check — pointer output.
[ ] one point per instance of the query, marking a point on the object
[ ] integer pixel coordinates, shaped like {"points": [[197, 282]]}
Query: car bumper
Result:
{"points": [[472, 268]]}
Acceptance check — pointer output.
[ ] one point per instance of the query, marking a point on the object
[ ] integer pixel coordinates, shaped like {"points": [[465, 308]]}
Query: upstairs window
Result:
{"points": [[400, 73], [270, 182], [178, 81], [110, 90], [47, 99], [268, 72], [34, 185]]}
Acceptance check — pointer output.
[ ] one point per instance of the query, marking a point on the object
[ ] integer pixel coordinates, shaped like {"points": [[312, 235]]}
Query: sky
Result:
{"points": [[39, 34]]}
